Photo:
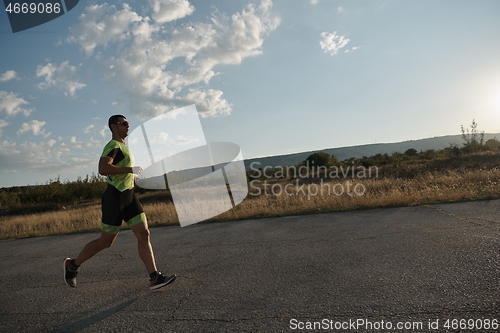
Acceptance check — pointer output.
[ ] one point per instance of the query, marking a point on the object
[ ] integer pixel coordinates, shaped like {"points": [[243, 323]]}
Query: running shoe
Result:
{"points": [[69, 275], [160, 281]]}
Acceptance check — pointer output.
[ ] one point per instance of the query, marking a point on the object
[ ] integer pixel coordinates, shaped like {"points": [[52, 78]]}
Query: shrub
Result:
{"points": [[474, 139], [492, 145], [55, 192], [319, 159], [411, 152]]}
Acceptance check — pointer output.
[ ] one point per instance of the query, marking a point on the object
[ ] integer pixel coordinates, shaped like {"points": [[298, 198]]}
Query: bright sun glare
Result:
{"points": [[491, 106]]}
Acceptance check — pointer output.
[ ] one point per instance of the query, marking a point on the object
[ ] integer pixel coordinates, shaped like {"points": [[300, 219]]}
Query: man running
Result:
{"points": [[119, 203]]}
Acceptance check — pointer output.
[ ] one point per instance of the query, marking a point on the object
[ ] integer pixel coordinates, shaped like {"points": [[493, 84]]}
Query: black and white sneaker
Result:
{"points": [[160, 281], [69, 275]]}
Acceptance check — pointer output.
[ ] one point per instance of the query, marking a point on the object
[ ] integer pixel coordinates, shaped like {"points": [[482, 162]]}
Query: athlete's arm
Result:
{"points": [[107, 168]]}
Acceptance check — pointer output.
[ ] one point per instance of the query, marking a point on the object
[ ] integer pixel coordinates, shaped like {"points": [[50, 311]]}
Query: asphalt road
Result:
{"points": [[402, 265]]}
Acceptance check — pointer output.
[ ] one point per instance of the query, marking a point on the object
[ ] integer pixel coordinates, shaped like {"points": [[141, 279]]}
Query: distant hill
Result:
{"points": [[343, 153]]}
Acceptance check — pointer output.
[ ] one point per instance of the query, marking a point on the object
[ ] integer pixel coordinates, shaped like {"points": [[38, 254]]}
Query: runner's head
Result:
{"points": [[114, 119], [118, 125]]}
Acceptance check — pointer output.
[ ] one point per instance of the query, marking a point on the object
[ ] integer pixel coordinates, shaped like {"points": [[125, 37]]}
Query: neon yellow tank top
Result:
{"points": [[121, 157]]}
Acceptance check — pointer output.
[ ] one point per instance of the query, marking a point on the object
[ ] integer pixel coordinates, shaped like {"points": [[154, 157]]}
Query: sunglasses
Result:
{"points": [[124, 122]]}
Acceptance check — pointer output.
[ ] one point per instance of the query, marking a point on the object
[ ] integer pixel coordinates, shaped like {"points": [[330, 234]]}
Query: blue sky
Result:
{"points": [[274, 77]]}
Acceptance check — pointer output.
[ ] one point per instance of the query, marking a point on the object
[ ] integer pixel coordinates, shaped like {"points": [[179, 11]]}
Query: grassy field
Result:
{"points": [[416, 182]]}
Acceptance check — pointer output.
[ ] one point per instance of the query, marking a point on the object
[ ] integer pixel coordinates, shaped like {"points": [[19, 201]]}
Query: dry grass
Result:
{"points": [[417, 183], [386, 192], [74, 220], [51, 223]]}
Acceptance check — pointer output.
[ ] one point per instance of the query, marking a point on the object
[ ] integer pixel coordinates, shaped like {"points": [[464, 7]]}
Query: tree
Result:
{"points": [[318, 159], [492, 145], [474, 139], [429, 154], [411, 152], [453, 150]]}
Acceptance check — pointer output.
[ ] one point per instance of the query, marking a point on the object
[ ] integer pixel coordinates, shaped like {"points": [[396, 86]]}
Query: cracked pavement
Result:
{"points": [[399, 264]]}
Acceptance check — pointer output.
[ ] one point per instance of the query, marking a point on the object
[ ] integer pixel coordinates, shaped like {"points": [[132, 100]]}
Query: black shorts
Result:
{"points": [[120, 206]]}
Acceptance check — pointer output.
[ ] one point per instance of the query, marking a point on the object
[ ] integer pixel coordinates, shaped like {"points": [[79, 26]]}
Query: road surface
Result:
{"points": [[399, 266]]}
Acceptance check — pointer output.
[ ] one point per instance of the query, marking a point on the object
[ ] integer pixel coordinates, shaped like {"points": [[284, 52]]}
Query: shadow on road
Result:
{"points": [[86, 322]]}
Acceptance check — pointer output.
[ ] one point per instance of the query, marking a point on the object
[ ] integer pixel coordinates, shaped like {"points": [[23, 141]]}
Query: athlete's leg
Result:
{"points": [[95, 246], [156, 279], [141, 231]]}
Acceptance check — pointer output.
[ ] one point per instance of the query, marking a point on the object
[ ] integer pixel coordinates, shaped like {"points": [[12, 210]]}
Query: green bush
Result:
{"points": [[54, 192], [492, 145], [411, 152], [474, 139], [319, 159]]}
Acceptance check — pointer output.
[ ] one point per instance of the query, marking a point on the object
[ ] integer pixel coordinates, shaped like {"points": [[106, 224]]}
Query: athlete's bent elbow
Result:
{"points": [[105, 169], [102, 171]]}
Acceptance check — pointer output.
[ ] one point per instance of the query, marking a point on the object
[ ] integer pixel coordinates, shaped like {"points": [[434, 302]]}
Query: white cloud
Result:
{"points": [[35, 127], [165, 139], [48, 71], [340, 9], [72, 87], [209, 102], [352, 49], [314, 2], [3, 124], [75, 144], [59, 76], [332, 43], [182, 140], [88, 128], [170, 10], [47, 157], [10, 103], [143, 69], [8, 75], [162, 138], [104, 131], [102, 24]]}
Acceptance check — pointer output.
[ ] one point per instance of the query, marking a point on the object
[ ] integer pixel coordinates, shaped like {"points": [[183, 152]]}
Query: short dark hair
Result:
{"points": [[114, 119]]}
